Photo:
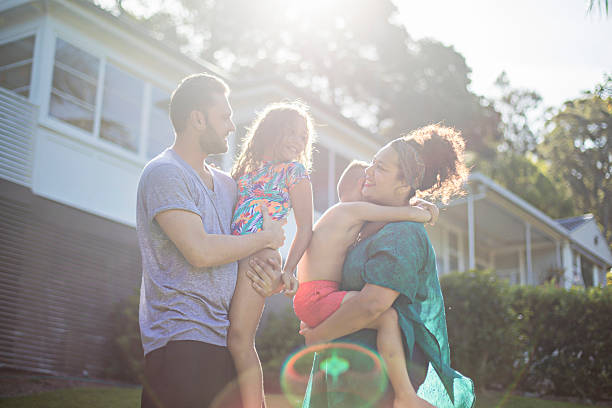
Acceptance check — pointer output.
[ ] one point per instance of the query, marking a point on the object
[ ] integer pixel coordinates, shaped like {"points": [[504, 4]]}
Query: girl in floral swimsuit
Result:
{"points": [[272, 175]]}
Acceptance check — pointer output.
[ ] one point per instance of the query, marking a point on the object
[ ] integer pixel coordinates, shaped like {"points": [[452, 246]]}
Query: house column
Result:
{"points": [[578, 270], [529, 265], [558, 254], [568, 267], [471, 232], [521, 262]]}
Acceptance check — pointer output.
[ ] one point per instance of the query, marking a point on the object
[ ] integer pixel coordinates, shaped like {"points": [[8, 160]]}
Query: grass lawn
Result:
{"points": [[103, 397]]}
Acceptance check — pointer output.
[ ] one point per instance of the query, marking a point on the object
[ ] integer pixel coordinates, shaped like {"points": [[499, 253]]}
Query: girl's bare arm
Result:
{"points": [[301, 201]]}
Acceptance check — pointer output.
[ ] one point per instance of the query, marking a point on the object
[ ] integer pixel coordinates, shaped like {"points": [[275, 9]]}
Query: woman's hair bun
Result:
{"points": [[441, 150]]}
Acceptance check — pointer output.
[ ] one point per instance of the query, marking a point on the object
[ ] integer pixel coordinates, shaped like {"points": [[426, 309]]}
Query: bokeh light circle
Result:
{"points": [[344, 374]]}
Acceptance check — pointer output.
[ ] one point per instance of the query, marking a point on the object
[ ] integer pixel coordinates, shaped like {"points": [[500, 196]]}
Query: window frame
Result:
{"points": [[18, 35], [105, 56]]}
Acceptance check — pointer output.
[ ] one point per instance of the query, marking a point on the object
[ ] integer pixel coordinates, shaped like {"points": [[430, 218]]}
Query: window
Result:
{"points": [[121, 108], [114, 113], [75, 81], [161, 132], [16, 65]]}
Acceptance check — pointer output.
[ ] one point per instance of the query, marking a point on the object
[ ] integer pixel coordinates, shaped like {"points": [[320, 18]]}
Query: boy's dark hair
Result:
{"points": [[195, 92]]}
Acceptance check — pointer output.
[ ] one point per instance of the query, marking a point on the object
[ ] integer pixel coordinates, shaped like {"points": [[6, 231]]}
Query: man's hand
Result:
{"points": [[290, 284], [265, 276], [426, 205], [273, 228]]}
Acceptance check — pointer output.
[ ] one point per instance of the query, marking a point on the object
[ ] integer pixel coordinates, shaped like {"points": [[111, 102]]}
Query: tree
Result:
{"points": [[353, 54], [519, 113], [578, 148], [532, 180], [602, 5]]}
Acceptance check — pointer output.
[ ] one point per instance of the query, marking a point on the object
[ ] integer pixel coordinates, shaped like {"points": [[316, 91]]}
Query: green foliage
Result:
{"points": [[543, 339], [278, 338], [579, 149], [568, 333], [130, 398], [531, 180], [518, 108], [483, 330], [350, 54], [126, 362], [99, 397], [602, 6]]}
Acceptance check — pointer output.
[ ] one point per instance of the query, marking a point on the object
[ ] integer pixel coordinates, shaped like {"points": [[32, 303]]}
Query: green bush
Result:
{"points": [[543, 339], [482, 327], [278, 339], [568, 333], [540, 339], [127, 361]]}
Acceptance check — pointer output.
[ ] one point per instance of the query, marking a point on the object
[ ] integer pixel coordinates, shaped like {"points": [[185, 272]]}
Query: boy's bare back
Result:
{"points": [[332, 235]]}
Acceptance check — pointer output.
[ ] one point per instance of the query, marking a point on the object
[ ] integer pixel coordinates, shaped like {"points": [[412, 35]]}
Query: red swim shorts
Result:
{"points": [[315, 301]]}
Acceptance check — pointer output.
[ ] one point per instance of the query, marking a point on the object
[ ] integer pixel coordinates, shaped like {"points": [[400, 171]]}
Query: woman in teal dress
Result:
{"points": [[394, 265]]}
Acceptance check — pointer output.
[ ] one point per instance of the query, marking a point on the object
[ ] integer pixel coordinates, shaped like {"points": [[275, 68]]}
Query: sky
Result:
{"points": [[552, 47]]}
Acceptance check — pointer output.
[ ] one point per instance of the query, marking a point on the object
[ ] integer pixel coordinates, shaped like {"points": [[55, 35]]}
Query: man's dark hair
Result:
{"points": [[195, 92]]}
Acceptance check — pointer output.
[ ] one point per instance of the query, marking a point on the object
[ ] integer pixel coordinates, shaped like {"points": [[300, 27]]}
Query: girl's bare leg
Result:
{"points": [[245, 312], [391, 349]]}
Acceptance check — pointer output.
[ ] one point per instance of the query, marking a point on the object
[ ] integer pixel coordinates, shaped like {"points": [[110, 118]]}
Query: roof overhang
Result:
{"points": [[484, 187], [123, 28]]}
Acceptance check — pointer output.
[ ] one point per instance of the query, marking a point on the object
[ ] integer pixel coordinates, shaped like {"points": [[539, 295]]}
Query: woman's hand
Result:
{"points": [[265, 276]]}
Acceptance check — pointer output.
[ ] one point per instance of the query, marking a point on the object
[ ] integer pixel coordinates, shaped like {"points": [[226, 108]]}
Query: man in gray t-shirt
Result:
{"points": [[184, 209]]}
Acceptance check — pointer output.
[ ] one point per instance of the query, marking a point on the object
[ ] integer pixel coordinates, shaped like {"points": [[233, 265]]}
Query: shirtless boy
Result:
{"points": [[320, 271]]}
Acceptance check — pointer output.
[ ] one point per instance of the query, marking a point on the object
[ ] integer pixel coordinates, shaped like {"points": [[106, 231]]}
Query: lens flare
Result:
{"points": [[342, 374]]}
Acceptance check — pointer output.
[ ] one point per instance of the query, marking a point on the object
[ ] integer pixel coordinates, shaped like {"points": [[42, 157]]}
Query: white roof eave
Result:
{"points": [[534, 212]]}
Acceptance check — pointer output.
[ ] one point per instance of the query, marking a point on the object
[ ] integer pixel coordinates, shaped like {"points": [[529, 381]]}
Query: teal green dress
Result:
{"points": [[401, 257]]}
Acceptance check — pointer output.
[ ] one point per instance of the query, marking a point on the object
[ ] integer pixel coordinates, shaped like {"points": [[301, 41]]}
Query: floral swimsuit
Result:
{"points": [[269, 185]]}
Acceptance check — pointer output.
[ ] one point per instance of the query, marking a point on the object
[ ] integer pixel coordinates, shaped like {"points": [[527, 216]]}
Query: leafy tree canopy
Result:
{"points": [[354, 54], [578, 149], [532, 180]]}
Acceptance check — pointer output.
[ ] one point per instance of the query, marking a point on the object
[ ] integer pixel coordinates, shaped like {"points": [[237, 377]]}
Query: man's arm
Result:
{"points": [[362, 211], [354, 314], [200, 249]]}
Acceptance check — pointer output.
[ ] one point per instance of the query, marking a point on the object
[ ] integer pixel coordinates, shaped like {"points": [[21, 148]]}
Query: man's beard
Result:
{"points": [[211, 142]]}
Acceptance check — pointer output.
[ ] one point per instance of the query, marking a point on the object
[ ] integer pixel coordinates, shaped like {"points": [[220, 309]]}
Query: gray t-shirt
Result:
{"points": [[177, 300]]}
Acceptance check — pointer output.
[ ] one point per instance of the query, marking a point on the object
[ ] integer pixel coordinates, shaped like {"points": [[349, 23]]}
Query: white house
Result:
{"points": [[492, 228], [83, 107]]}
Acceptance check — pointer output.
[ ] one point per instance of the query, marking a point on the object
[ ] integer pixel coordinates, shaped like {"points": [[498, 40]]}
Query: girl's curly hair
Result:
{"points": [[269, 128]]}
